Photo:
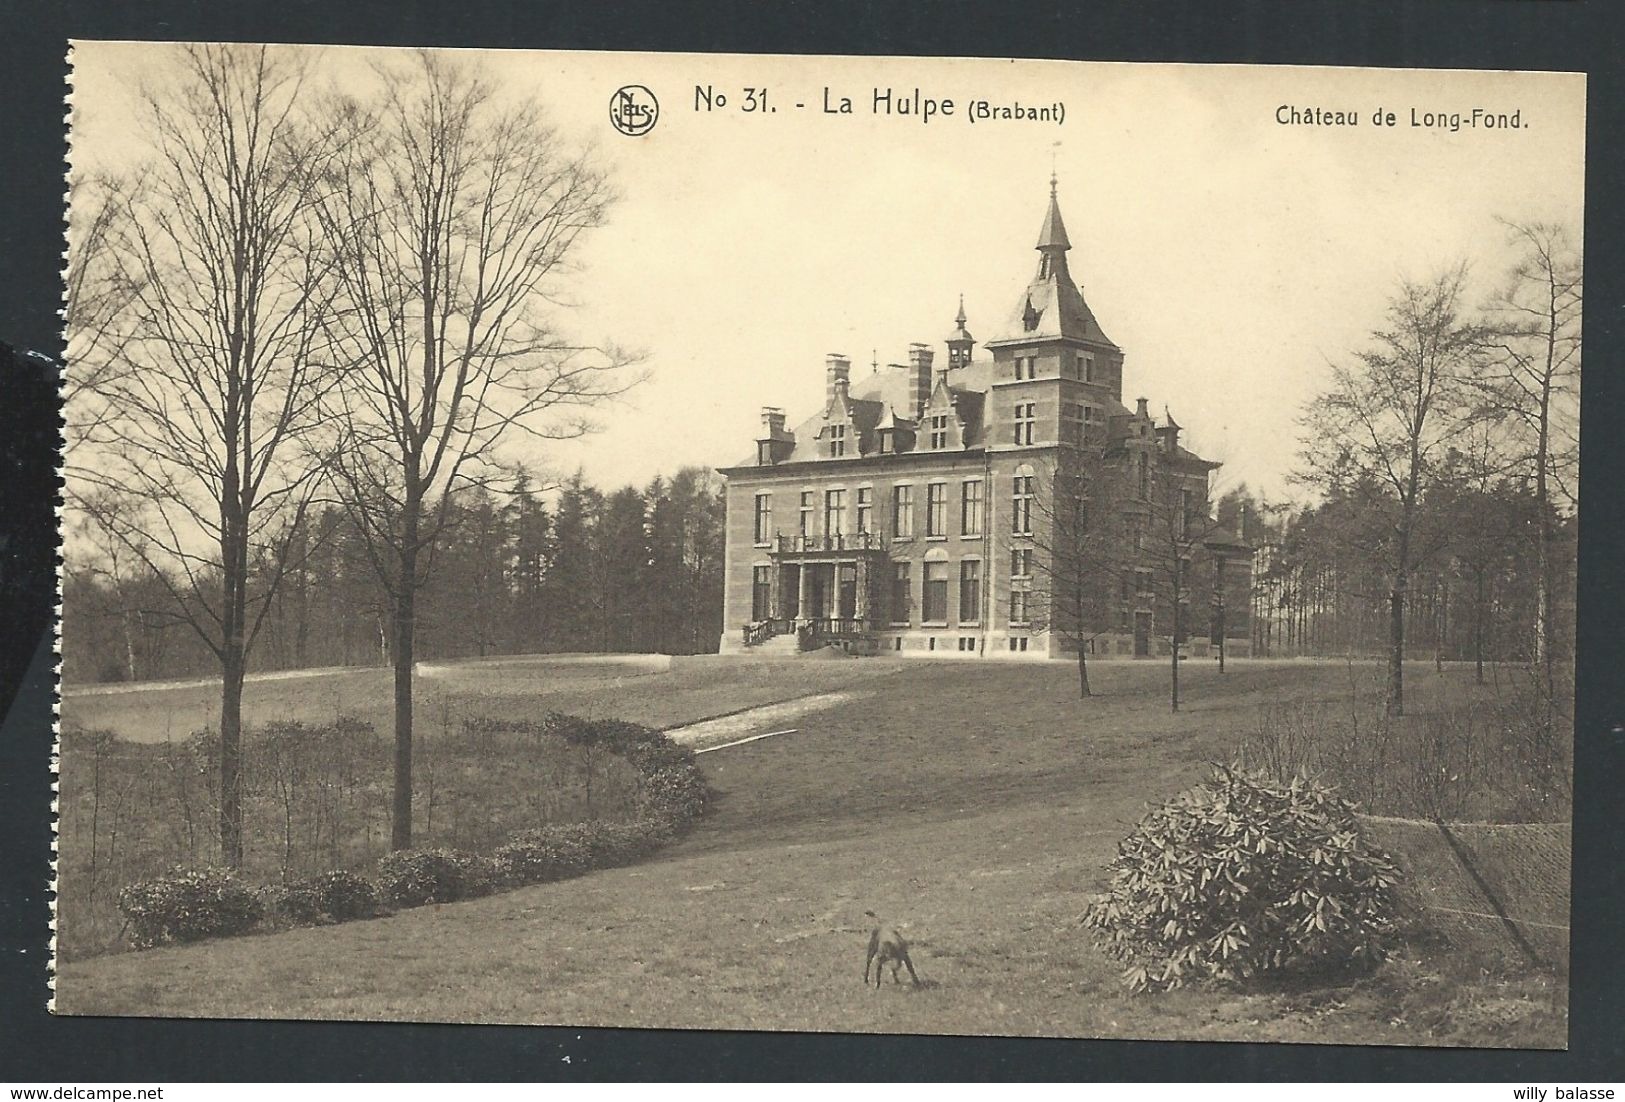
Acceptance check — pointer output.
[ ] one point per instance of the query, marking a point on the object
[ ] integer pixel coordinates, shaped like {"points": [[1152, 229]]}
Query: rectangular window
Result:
{"points": [[1021, 505], [970, 591], [1187, 507], [806, 512], [1072, 423], [1142, 581], [761, 592], [902, 512], [1026, 416], [970, 507], [834, 512], [837, 441], [967, 642], [1026, 368], [1019, 612], [902, 596], [935, 596], [1092, 423], [1021, 562], [1088, 369], [936, 509], [1018, 644], [866, 501], [939, 430], [763, 526]]}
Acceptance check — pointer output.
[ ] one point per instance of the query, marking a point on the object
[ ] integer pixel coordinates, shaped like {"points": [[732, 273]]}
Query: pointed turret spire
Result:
{"points": [[960, 341], [1053, 235], [1052, 305]]}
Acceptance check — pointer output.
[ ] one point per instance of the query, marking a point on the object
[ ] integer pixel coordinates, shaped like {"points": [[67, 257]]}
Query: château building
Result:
{"points": [[998, 500]]}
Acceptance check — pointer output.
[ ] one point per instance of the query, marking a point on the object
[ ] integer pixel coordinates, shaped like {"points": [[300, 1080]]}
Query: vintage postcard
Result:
{"points": [[906, 545]]}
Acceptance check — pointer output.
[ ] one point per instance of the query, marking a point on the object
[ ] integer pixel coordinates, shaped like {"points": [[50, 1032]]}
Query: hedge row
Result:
{"points": [[193, 904]]}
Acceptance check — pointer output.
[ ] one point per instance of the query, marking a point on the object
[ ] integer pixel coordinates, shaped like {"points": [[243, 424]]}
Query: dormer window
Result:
{"points": [[939, 431], [837, 441]]}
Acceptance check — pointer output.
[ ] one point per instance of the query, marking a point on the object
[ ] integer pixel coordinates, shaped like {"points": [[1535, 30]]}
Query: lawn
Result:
{"points": [[974, 805], [649, 689]]}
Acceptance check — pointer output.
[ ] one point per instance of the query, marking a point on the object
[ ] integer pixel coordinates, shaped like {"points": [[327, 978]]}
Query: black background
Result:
{"points": [[35, 1047]]}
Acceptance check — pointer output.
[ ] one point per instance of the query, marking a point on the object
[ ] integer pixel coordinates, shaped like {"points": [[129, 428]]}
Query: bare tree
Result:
{"points": [[1177, 532], [452, 223], [1532, 379], [1388, 419], [1080, 556], [99, 287], [202, 460]]}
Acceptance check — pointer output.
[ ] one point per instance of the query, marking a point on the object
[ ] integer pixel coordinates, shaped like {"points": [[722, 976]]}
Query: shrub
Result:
{"points": [[188, 905], [544, 854], [675, 792], [297, 902], [618, 843], [340, 896], [1244, 876], [411, 878]]}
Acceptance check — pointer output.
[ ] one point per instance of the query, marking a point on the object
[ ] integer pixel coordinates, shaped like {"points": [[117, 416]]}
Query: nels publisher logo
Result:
{"points": [[633, 110]]}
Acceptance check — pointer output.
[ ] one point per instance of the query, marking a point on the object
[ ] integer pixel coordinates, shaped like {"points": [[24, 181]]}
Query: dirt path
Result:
{"points": [[713, 734]]}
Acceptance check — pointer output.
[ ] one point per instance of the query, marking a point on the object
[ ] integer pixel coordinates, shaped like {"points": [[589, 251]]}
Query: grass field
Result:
{"points": [[975, 805], [649, 689]]}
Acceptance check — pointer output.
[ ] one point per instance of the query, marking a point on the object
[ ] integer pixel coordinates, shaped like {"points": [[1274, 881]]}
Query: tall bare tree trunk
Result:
{"points": [[1478, 625], [1173, 651], [405, 637], [233, 649], [1396, 645]]}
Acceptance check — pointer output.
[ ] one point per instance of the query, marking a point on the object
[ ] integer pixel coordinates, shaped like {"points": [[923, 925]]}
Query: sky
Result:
{"points": [[1233, 257]]}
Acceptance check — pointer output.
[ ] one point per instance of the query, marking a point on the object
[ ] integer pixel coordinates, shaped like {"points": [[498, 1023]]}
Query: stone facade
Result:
{"points": [[933, 506]]}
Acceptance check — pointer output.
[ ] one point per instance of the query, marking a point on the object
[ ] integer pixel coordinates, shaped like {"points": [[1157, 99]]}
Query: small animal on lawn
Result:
{"points": [[886, 946]]}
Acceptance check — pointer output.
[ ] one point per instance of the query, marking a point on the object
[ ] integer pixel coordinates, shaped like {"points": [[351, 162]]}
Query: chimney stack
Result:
{"points": [[772, 422], [837, 377], [919, 362], [1139, 408]]}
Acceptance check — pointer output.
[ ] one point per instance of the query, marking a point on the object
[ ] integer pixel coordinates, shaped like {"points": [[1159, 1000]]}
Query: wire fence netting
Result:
{"points": [[1496, 888]]}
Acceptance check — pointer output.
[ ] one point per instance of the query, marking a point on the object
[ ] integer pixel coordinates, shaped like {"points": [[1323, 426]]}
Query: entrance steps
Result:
{"points": [[779, 646]]}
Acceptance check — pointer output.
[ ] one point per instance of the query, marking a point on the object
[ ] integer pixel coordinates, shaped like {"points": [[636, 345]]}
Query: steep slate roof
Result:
{"points": [[1052, 296], [883, 398], [880, 399]]}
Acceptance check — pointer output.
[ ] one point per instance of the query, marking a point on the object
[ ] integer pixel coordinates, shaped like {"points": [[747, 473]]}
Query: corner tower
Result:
{"points": [[1052, 333]]}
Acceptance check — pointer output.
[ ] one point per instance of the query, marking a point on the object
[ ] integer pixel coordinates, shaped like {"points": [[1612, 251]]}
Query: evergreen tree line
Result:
{"points": [[577, 570], [1318, 590]]}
